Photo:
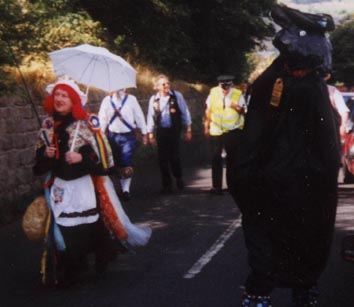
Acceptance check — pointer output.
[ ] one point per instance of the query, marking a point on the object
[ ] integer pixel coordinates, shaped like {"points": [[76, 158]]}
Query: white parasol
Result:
{"points": [[94, 66]]}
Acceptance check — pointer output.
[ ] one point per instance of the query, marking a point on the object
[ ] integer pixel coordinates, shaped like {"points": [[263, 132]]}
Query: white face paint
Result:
{"points": [[121, 93]]}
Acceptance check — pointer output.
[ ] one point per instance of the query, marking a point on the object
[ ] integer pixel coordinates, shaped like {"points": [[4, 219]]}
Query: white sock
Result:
{"points": [[125, 183]]}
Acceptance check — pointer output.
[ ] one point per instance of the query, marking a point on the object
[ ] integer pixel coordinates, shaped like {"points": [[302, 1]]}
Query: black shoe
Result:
{"points": [[305, 297], [255, 301], [65, 283], [180, 183], [126, 195], [66, 279], [166, 190], [100, 270], [101, 265], [215, 191]]}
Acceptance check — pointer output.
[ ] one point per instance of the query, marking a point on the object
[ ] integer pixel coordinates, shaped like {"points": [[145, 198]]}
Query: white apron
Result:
{"points": [[73, 197]]}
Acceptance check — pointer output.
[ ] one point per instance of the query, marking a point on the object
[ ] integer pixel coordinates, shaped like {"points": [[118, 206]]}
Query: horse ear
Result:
{"points": [[284, 16], [280, 17]]}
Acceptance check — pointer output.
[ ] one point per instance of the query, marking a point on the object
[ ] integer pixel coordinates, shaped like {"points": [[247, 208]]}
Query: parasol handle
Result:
{"points": [[87, 90], [75, 136], [78, 126]]}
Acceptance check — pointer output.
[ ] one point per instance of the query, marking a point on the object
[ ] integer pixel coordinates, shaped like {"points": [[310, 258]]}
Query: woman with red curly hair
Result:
{"points": [[59, 98], [72, 158], [85, 208]]}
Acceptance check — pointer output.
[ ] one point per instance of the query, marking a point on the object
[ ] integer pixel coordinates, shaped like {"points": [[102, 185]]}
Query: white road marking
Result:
{"points": [[213, 250]]}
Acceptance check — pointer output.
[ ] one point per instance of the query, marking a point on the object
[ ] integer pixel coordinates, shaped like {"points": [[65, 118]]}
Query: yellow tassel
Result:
{"points": [[277, 92], [44, 265], [45, 252]]}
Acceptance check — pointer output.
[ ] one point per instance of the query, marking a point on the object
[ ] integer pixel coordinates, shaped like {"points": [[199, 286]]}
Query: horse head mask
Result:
{"points": [[302, 39]]}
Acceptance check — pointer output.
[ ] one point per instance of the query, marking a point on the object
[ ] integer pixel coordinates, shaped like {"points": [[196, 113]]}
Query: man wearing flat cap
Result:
{"points": [[223, 122]]}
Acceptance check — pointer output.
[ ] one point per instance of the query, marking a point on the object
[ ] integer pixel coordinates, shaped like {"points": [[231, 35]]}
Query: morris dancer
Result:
{"points": [[120, 116], [78, 158]]}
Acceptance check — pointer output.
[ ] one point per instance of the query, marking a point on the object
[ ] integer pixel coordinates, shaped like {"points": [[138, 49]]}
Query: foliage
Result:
{"points": [[14, 28], [224, 37], [191, 40], [196, 40], [30, 29], [69, 30], [343, 49]]}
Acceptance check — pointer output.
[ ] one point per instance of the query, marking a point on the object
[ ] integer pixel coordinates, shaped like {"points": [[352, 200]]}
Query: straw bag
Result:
{"points": [[35, 219]]}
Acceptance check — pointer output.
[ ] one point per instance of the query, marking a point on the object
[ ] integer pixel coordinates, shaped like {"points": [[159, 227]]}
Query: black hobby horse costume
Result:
{"points": [[283, 174]]}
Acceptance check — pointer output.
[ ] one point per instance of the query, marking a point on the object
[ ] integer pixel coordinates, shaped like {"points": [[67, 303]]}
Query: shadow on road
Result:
{"points": [[185, 224]]}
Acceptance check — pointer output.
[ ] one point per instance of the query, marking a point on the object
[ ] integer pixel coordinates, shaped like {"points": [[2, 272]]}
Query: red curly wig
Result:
{"points": [[78, 111]]}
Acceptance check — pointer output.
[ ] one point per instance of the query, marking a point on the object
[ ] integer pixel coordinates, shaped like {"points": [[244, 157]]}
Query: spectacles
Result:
{"points": [[165, 84], [225, 85]]}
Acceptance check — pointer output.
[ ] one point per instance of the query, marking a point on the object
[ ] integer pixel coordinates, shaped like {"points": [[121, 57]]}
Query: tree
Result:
{"points": [[343, 49], [224, 32], [30, 29], [195, 40], [15, 29], [191, 40]]}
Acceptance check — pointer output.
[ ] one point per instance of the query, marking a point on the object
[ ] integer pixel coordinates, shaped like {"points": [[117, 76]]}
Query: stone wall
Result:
{"points": [[18, 132]]}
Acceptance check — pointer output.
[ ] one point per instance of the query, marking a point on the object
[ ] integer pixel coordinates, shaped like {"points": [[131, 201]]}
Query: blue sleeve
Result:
{"points": [[182, 104]]}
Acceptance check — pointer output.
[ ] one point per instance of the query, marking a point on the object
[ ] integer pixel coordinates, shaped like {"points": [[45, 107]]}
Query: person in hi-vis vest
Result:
{"points": [[223, 122]]}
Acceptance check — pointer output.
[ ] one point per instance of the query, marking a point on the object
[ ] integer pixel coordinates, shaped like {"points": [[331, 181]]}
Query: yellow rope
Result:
{"points": [[45, 252]]}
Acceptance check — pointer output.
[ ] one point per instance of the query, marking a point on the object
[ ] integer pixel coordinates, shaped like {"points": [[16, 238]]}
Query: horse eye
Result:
{"points": [[302, 33]]}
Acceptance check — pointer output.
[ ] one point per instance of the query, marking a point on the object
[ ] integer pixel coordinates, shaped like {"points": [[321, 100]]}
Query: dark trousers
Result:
{"points": [[216, 146], [168, 148], [81, 240], [256, 227], [287, 238], [260, 254], [228, 141]]}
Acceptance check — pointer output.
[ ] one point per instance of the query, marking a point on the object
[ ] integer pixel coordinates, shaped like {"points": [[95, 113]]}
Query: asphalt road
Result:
{"points": [[196, 256]]}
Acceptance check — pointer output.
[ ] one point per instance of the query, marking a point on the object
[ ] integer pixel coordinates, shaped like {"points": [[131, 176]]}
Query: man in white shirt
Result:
{"points": [[120, 115], [168, 113], [338, 103]]}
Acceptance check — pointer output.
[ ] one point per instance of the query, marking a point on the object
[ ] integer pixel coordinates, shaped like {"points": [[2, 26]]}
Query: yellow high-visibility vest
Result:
{"points": [[224, 119]]}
